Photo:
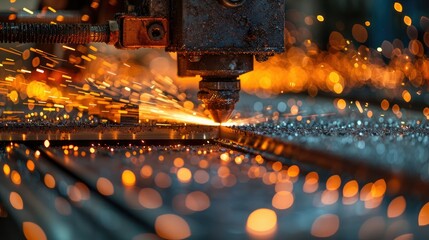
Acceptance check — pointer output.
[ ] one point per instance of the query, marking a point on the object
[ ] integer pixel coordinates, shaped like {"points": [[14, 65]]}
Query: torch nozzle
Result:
{"points": [[220, 115], [219, 95]]}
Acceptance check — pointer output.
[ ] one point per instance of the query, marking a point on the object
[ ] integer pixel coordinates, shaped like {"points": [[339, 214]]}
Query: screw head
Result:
{"points": [[156, 31], [195, 58], [232, 3], [263, 57]]}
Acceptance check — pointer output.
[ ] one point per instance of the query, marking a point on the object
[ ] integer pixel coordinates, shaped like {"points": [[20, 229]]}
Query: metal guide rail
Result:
{"points": [[240, 184]]}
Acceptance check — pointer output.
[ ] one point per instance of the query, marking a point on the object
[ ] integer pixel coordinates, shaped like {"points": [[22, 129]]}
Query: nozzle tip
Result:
{"points": [[220, 115], [219, 95]]}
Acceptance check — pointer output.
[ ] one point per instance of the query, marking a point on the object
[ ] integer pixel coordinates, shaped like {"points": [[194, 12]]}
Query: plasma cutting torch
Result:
{"points": [[216, 39]]}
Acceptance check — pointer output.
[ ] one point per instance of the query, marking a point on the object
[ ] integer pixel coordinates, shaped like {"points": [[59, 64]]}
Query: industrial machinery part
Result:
{"points": [[215, 39], [53, 33], [45, 16]]}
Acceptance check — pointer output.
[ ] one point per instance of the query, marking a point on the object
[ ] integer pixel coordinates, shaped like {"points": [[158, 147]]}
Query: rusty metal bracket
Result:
{"points": [[147, 32]]}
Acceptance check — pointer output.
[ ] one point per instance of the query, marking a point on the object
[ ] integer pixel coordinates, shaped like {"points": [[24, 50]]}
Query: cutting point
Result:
{"points": [[220, 115], [219, 95]]}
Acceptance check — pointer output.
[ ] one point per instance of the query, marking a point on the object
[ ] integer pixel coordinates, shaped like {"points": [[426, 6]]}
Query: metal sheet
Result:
{"points": [[216, 197]]}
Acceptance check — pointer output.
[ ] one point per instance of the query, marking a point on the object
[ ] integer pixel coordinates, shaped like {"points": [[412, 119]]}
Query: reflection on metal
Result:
{"points": [[273, 148], [122, 133], [47, 207], [126, 188]]}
